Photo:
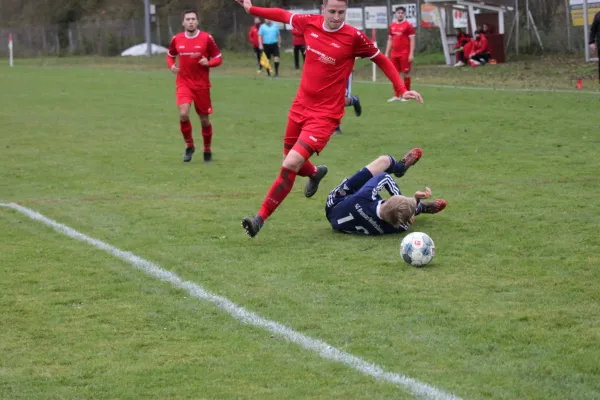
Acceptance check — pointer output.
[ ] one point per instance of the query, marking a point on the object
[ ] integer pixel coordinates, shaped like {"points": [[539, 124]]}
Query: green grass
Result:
{"points": [[522, 72], [508, 309]]}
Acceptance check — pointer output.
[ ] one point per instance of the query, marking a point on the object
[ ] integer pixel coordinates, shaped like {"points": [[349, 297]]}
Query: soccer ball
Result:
{"points": [[417, 249]]}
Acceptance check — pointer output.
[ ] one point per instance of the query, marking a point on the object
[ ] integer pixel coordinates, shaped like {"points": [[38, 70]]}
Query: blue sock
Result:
{"points": [[358, 180], [396, 167], [419, 209]]}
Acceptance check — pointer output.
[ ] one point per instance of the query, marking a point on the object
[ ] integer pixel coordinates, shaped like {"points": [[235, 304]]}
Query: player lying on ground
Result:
{"points": [[355, 206], [331, 47], [197, 53]]}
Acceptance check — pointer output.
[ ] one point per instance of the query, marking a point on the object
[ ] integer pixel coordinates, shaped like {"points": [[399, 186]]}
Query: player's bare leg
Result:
{"points": [[186, 131], [380, 164], [206, 136], [391, 166]]}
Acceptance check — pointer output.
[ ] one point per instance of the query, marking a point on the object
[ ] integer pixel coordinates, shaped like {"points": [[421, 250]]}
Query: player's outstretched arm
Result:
{"points": [[423, 195], [274, 14], [389, 70]]}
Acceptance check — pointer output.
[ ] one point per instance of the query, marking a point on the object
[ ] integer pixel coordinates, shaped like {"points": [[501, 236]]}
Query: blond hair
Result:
{"points": [[397, 210]]}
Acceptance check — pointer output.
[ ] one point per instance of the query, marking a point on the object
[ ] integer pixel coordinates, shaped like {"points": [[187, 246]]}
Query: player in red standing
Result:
{"points": [[401, 44], [198, 53], [299, 47], [331, 47], [253, 38]]}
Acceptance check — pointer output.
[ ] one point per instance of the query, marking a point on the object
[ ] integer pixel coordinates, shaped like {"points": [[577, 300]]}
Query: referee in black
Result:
{"points": [[595, 39]]}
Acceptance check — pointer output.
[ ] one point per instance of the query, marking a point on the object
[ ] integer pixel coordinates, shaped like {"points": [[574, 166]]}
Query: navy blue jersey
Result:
{"points": [[353, 206]]}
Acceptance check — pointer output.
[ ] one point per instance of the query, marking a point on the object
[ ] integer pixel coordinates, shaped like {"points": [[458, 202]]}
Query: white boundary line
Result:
{"points": [[323, 349]]}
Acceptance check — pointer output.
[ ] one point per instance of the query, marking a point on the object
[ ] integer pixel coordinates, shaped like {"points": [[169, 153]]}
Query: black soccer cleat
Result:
{"points": [[312, 185], [433, 207], [187, 157], [409, 160], [357, 107], [252, 225], [207, 156]]}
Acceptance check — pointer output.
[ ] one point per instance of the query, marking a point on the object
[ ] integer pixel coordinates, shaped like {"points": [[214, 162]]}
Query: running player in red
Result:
{"points": [[401, 44], [331, 47], [198, 53]]}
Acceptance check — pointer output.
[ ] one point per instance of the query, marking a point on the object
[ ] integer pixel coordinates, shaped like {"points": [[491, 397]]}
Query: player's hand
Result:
{"points": [[411, 221], [410, 58], [412, 95], [261, 48], [593, 46], [423, 195], [246, 4], [175, 69], [203, 61]]}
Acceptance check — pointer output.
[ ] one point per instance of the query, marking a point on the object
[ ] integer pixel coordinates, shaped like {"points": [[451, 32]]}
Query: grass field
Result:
{"points": [[508, 309]]}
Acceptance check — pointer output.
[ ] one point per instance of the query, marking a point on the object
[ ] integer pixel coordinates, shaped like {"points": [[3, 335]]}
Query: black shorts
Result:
{"points": [[271, 50]]}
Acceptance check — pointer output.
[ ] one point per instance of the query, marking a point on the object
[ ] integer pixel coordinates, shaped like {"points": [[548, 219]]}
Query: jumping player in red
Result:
{"points": [[401, 44], [331, 47], [197, 52]]}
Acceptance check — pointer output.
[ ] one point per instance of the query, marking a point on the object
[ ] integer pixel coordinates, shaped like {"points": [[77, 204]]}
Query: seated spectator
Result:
{"points": [[487, 30], [462, 42], [481, 53]]}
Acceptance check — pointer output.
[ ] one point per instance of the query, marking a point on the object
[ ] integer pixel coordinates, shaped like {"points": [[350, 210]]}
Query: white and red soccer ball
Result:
{"points": [[417, 249]]}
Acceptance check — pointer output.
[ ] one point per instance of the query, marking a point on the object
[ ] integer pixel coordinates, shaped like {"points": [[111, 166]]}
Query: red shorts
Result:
{"points": [[401, 63], [308, 134], [200, 97]]}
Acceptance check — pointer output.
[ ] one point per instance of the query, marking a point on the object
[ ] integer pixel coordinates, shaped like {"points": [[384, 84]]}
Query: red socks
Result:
{"points": [[307, 169], [186, 131], [278, 192], [407, 83], [207, 136]]}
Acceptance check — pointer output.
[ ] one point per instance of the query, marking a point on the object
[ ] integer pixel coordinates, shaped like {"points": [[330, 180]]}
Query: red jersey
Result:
{"points": [[481, 45], [190, 49], [253, 36], [401, 32], [297, 38], [461, 40], [329, 62]]}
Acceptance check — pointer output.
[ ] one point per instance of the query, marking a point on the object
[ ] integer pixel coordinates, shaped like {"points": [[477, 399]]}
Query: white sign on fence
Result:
{"points": [[411, 12], [354, 17], [312, 11], [376, 18], [460, 18]]}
